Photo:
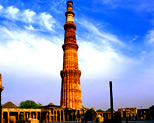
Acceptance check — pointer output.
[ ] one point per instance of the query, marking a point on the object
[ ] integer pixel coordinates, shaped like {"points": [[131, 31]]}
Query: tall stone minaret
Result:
{"points": [[70, 86], [1, 89]]}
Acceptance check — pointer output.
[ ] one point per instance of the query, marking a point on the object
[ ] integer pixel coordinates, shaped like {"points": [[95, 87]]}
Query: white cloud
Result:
{"points": [[29, 16], [12, 13], [47, 21], [100, 53], [95, 63], [29, 52], [105, 37], [44, 21], [29, 61], [30, 27], [150, 37], [1, 7]]}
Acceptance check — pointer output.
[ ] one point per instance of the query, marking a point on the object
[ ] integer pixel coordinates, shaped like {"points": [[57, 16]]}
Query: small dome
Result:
{"points": [[93, 108], [50, 104]]}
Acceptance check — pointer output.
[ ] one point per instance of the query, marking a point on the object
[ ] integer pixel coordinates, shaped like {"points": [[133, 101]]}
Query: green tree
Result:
{"points": [[39, 105], [109, 109], [152, 107], [99, 110], [29, 104]]}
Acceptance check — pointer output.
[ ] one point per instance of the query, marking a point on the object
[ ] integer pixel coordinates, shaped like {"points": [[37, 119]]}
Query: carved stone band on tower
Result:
{"points": [[70, 87]]}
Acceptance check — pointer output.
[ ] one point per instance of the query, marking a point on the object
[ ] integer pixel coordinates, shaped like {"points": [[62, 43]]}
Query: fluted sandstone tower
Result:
{"points": [[1, 89], [70, 88]]}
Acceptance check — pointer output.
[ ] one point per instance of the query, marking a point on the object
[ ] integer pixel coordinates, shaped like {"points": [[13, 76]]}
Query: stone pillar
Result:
{"points": [[18, 114], [76, 114], [47, 117], [2, 117], [60, 115], [56, 116], [36, 114], [24, 115], [40, 117], [63, 116], [30, 115], [8, 117], [53, 115], [72, 114], [33, 115], [50, 116], [80, 115], [27, 115]]}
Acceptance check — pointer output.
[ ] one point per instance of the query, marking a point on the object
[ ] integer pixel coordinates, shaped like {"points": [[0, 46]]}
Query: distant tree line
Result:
{"points": [[29, 104]]}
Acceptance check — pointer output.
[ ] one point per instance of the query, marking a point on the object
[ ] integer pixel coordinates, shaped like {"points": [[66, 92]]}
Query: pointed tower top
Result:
{"points": [[69, 1], [69, 5], [69, 13]]}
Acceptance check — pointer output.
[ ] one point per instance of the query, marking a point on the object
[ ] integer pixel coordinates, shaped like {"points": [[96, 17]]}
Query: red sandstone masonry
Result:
{"points": [[70, 87]]}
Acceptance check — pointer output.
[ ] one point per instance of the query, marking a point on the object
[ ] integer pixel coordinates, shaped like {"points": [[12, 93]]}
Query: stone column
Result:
{"points": [[47, 117], [80, 115], [2, 117], [60, 115], [56, 116], [40, 116], [30, 115], [76, 114], [33, 114], [27, 115], [8, 117], [63, 116], [24, 115], [36, 115], [50, 116], [53, 115], [72, 114], [18, 114]]}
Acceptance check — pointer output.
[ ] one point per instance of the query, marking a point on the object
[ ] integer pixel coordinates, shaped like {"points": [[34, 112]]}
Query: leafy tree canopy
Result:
{"points": [[109, 109], [29, 104], [152, 107], [99, 110]]}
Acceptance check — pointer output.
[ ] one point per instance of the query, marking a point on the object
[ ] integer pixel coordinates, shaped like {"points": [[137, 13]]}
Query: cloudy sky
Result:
{"points": [[116, 43]]}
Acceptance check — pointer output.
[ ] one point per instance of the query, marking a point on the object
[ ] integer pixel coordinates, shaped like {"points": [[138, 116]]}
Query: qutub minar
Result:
{"points": [[70, 87], [70, 108]]}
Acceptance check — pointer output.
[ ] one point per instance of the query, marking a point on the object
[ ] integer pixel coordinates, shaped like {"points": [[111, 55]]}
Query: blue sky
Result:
{"points": [[116, 43]]}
